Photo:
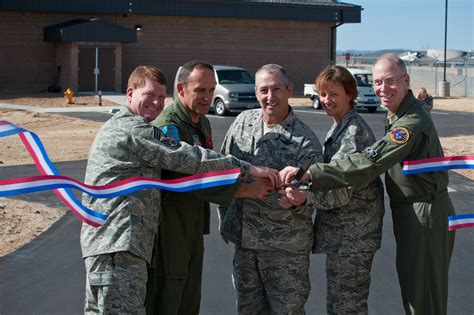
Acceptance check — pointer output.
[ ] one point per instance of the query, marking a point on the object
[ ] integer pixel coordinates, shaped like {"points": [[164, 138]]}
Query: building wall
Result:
{"points": [[27, 63], [167, 42], [301, 47]]}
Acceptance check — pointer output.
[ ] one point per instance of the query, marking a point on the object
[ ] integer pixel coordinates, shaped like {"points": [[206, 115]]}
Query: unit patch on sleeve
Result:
{"points": [[399, 135]]}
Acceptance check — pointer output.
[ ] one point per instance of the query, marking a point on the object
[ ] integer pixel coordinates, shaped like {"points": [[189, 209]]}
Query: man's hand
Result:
{"points": [[287, 174], [291, 197], [268, 173], [258, 189]]}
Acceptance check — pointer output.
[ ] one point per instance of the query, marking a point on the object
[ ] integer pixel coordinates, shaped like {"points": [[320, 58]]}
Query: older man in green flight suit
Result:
{"points": [[420, 203]]}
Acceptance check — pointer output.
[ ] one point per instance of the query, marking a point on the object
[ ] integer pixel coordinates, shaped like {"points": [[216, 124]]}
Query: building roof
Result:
{"points": [[309, 10], [89, 30]]}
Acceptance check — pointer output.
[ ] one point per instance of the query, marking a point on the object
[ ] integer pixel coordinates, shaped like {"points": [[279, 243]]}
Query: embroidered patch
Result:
{"points": [[171, 131], [399, 135], [371, 152], [164, 139]]}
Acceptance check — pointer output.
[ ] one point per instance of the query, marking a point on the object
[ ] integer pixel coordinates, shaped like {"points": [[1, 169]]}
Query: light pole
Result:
{"points": [[444, 85], [436, 57]]}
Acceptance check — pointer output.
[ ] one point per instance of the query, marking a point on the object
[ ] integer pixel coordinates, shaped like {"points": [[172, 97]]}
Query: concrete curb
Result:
{"points": [[100, 109]]}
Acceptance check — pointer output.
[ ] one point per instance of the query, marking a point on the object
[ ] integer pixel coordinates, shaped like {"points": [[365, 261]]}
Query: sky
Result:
{"points": [[409, 24]]}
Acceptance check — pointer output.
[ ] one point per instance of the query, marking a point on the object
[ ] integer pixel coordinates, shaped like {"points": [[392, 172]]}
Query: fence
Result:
{"points": [[460, 74]]}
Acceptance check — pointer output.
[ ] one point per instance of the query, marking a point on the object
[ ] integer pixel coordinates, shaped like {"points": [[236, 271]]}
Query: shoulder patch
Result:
{"points": [[399, 135], [164, 139], [171, 131], [157, 133]]}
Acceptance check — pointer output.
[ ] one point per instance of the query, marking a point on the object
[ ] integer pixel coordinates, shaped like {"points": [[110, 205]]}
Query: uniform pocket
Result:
{"points": [[101, 278]]}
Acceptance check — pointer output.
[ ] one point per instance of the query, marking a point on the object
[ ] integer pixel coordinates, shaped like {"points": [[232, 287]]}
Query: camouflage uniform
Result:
{"points": [[127, 146], [420, 203], [273, 244], [350, 234]]}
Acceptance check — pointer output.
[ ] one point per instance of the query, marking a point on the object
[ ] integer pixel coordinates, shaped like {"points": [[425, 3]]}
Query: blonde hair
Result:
{"points": [[422, 92]]}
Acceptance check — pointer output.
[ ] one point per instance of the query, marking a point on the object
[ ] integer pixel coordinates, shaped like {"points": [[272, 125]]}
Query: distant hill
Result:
{"points": [[371, 53]]}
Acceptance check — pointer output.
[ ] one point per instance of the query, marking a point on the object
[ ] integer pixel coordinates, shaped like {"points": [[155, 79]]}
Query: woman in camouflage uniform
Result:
{"points": [[349, 235]]}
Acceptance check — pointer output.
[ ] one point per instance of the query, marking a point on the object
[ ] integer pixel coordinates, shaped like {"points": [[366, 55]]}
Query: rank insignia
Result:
{"points": [[399, 135]]}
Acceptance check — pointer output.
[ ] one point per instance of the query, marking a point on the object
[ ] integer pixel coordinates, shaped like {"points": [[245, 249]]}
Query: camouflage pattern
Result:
{"points": [[115, 284], [278, 240], [420, 203], [265, 225], [355, 226], [127, 146], [351, 233], [348, 282], [284, 276]]}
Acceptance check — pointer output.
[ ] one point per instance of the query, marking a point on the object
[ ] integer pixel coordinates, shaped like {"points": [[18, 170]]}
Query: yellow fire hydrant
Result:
{"points": [[68, 95]]}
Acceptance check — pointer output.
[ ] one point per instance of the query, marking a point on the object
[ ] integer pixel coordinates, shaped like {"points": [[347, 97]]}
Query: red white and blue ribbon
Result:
{"points": [[461, 221], [441, 164], [438, 164], [51, 179], [25, 185]]}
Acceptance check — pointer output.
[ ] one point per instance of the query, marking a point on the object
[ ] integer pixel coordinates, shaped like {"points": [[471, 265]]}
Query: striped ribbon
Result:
{"points": [[442, 164], [438, 164], [25, 185], [51, 179], [461, 221]]}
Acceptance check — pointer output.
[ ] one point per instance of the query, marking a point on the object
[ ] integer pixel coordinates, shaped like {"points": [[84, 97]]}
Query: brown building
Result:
{"points": [[90, 45]]}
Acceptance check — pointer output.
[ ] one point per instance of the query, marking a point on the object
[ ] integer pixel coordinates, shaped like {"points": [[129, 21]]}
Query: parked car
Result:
{"points": [[366, 97], [235, 90], [310, 90]]}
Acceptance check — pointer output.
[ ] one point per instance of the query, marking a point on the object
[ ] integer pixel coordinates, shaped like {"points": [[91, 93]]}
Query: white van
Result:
{"points": [[366, 97]]}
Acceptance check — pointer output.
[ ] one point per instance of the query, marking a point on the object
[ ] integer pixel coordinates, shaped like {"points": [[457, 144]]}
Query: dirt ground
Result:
{"points": [[21, 221]]}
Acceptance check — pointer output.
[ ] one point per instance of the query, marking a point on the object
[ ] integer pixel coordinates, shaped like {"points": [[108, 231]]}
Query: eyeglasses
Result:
{"points": [[388, 81]]}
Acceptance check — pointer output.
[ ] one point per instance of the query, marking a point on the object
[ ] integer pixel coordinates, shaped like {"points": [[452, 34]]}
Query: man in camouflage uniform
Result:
{"points": [[420, 202], [350, 233], [272, 244], [116, 254]]}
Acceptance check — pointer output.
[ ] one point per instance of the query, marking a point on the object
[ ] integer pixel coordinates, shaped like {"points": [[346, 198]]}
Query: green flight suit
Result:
{"points": [[420, 203], [185, 218]]}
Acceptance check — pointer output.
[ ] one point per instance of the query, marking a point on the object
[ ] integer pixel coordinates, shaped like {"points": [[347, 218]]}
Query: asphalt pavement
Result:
{"points": [[47, 275]]}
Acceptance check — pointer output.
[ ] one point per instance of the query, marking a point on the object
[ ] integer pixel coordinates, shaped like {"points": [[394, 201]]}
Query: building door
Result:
{"points": [[96, 69]]}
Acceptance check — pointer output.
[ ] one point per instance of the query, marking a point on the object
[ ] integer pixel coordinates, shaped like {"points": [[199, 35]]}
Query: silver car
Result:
{"points": [[235, 90]]}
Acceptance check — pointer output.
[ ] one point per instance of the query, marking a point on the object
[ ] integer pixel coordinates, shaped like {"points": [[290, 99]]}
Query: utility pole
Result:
{"points": [[444, 85]]}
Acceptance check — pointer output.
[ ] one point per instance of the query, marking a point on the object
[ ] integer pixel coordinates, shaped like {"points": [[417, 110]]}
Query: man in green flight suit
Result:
{"points": [[179, 249], [420, 203]]}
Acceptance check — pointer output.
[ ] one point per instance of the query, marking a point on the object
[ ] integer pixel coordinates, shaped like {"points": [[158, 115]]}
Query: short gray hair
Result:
{"points": [[393, 59], [274, 68]]}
